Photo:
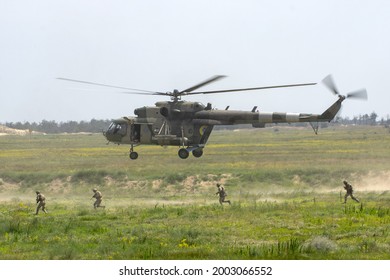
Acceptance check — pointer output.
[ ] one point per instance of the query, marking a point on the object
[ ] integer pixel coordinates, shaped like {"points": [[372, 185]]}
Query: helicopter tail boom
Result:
{"points": [[259, 119]]}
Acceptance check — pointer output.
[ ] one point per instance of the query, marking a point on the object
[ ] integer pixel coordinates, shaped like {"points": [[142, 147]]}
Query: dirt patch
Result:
{"points": [[109, 181], [193, 184], [212, 180], [8, 187], [156, 184], [11, 131], [58, 186]]}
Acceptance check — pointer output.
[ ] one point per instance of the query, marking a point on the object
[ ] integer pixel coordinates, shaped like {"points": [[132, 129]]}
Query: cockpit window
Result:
{"points": [[199, 105], [111, 126], [116, 128]]}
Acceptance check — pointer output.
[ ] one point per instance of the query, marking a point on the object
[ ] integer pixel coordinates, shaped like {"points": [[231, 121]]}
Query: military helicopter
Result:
{"points": [[188, 125]]}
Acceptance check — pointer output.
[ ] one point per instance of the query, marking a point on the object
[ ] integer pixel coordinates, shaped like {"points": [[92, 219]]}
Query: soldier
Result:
{"points": [[349, 189], [99, 198], [222, 194], [41, 200]]}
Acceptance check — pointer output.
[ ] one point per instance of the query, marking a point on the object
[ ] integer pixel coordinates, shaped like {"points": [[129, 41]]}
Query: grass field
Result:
{"points": [[285, 185]]}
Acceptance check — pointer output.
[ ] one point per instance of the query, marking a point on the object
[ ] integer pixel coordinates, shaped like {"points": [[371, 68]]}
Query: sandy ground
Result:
{"points": [[373, 182], [22, 132]]}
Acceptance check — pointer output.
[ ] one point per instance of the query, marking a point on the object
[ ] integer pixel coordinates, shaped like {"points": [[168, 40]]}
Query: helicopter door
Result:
{"points": [[146, 133], [135, 133]]}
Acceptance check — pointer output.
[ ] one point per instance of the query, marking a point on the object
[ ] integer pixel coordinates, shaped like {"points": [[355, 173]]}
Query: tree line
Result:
{"points": [[366, 119], [97, 126], [53, 127]]}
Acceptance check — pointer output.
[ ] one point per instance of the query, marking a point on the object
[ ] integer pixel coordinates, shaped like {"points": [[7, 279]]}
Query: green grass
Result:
{"points": [[285, 186], [297, 229]]}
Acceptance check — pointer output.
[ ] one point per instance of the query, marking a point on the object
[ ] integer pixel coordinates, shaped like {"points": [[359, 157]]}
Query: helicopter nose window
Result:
{"points": [[116, 128], [111, 127]]}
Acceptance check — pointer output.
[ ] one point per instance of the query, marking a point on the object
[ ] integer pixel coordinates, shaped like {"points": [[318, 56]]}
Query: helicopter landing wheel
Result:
{"points": [[183, 153], [197, 153], [133, 155]]}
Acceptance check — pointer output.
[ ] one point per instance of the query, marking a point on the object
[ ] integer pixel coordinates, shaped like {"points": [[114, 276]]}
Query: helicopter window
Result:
{"points": [[199, 105], [121, 129], [111, 127], [116, 128]]}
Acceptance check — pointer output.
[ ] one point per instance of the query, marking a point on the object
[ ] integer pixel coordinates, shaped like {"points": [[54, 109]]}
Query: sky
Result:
{"points": [[174, 44]]}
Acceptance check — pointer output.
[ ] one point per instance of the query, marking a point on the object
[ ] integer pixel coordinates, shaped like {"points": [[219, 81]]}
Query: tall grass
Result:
{"points": [[269, 230]]}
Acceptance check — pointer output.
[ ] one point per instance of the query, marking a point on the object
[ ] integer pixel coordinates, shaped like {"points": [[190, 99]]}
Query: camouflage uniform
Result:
{"points": [[222, 194], [41, 200], [349, 189], [98, 196]]}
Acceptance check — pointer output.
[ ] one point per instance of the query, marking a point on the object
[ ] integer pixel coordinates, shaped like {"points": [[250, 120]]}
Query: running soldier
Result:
{"points": [[349, 189], [222, 194], [98, 196], [41, 201]]}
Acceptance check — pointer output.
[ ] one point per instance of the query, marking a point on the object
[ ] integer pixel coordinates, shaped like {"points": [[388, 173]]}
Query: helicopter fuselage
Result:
{"points": [[167, 123], [189, 124]]}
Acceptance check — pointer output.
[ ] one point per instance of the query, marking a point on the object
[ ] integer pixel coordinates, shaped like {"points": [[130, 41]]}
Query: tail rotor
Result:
{"points": [[334, 109], [328, 81], [358, 94]]}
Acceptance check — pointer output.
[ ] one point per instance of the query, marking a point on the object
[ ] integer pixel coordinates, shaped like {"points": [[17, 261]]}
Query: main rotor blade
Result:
{"points": [[208, 81], [144, 93], [254, 88], [104, 85], [330, 84], [358, 94]]}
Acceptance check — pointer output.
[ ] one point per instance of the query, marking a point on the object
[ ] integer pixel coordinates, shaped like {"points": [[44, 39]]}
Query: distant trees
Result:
{"points": [[52, 127], [366, 119], [96, 126]]}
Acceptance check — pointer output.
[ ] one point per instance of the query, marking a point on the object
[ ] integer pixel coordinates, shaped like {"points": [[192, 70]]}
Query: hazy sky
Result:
{"points": [[163, 45]]}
